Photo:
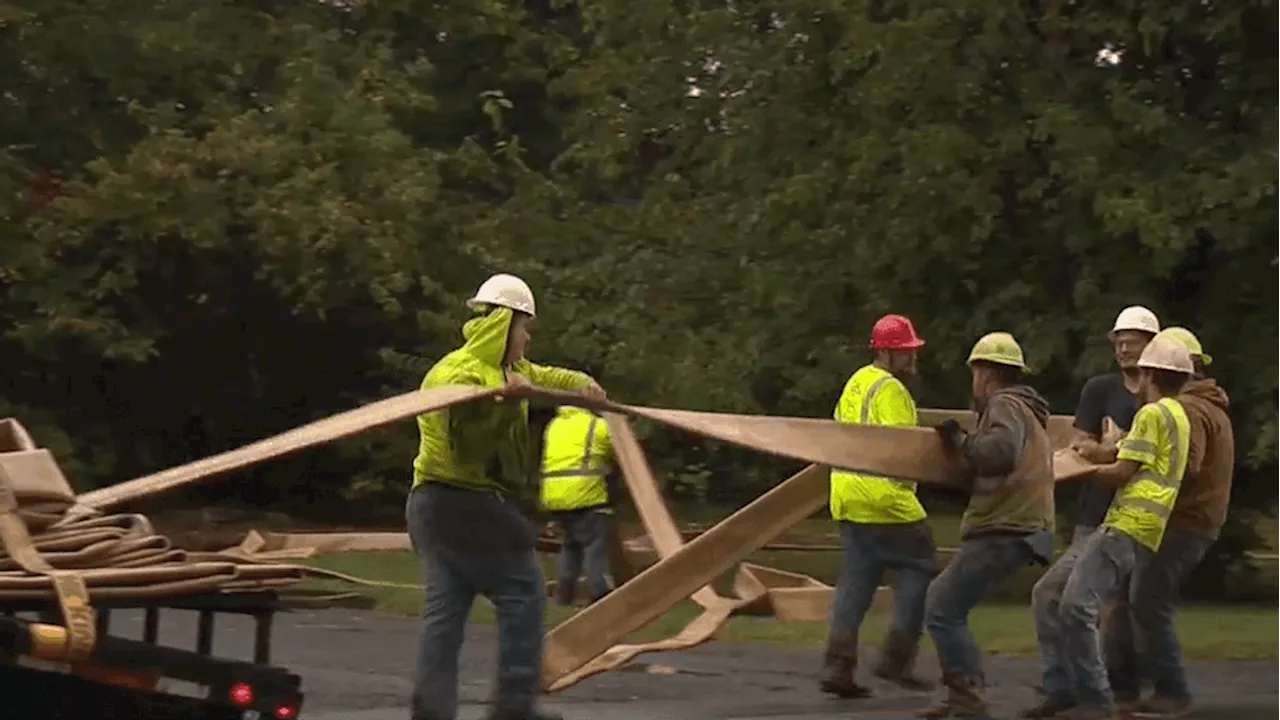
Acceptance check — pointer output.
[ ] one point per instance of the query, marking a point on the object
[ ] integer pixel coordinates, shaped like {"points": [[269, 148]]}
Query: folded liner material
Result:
{"points": [[67, 548]]}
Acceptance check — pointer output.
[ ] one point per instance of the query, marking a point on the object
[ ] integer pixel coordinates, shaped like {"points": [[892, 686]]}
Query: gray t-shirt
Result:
{"points": [[1101, 397]]}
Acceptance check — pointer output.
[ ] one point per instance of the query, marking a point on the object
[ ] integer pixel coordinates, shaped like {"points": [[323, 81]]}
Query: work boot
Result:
{"points": [[524, 715], [1080, 712], [1126, 704], [1050, 706], [565, 592], [896, 661], [1162, 707], [964, 700], [838, 667]]}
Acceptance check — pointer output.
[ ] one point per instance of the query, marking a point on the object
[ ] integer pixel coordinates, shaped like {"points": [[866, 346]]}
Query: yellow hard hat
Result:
{"points": [[999, 348], [1166, 353], [1187, 338]]}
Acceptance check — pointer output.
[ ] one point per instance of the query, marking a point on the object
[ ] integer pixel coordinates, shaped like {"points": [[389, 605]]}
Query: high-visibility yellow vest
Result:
{"points": [[577, 455], [873, 396], [1159, 441]]}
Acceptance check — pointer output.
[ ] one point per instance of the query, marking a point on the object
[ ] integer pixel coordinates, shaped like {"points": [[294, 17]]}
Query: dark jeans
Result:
{"points": [[1142, 642], [1106, 567], [1046, 606], [472, 543], [585, 549], [869, 550], [980, 564]]}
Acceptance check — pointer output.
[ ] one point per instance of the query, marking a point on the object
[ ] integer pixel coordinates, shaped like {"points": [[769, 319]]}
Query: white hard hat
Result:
{"points": [[1166, 353], [1136, 317], [506, 291]]}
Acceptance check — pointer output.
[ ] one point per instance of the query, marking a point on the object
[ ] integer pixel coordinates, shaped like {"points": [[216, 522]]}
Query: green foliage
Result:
{"points": [[272, 212]]}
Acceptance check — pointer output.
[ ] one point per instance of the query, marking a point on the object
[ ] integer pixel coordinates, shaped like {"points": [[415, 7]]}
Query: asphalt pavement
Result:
{"points": [[357, 665]]}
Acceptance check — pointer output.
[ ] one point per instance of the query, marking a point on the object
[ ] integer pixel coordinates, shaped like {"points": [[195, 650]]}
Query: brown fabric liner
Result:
{"points": [[120, 556]]}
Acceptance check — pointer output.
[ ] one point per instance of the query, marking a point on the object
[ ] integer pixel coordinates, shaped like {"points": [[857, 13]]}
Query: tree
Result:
{"points": [[268, 213], [975, 165]]}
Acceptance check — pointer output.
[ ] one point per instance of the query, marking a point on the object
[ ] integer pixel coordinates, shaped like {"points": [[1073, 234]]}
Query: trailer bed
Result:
{"points": [[140, 678]]}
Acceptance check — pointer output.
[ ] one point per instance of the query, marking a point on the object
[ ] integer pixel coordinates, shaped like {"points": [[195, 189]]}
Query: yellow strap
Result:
{"points": [[69, 586]]}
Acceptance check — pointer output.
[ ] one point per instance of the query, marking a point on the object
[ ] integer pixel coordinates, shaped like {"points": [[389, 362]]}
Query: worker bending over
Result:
{"points": [[465, 528], [1008, 523], [577, 460], [1147, 472], [882, 524], [1198, 515], [1111, 396]]}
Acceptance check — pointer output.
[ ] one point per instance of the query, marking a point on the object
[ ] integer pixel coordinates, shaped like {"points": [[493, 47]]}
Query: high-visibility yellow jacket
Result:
{"points": [[873, 396], [1159, 441], [483, 446], [577, 456]]}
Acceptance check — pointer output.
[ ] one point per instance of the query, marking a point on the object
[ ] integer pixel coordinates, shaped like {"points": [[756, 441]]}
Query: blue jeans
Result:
{"points": [[869, 550], [1107, 565], [1046, 605], [1148, 648], [585, 549], [472, 543], [981, 563]]}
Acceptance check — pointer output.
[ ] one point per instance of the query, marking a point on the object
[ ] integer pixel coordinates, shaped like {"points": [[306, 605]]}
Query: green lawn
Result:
{"points": [[1235, 632]]}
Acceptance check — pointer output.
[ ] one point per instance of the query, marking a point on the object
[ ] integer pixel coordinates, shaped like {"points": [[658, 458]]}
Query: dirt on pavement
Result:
{"points": [[358, 665]]}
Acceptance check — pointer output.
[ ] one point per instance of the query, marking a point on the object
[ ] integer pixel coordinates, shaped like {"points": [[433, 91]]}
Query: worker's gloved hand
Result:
{"points": [[1083, 445], [1098, 453], [518, 387], [953, 436], [1089, 449]]}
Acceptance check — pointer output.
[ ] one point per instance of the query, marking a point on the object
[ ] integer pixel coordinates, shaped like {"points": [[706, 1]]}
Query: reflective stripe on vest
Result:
{"points": [[864, 413], [577, 487], [866, 498], [1142, 507]]}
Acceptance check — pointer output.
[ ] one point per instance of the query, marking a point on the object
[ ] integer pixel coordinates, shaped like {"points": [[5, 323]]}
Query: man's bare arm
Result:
{"points": [[1116, 474]]}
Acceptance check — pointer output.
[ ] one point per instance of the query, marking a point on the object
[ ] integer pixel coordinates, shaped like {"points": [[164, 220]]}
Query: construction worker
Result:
{"points": [[882, 523], [466, 531], [1111, 396], [1198, 515], [1008, 523], [577, 459], [1148, 472]]}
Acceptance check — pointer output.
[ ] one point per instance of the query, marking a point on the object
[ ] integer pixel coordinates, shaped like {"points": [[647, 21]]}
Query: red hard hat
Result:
{"points": [[895, 332]]}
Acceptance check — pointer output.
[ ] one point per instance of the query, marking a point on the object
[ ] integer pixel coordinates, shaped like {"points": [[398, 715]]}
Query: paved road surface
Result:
{"points": [[356, 665]]}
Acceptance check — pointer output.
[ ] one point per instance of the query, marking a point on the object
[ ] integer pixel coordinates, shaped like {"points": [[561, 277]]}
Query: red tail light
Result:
{"points": [[286, 712], [241, 694]]}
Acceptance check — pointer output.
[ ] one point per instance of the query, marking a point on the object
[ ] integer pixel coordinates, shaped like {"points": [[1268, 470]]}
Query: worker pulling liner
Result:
{"points": [[882, 524], [1112, 396], [1141, 641], [468, 535], [1147, 474], [1008, 523]]}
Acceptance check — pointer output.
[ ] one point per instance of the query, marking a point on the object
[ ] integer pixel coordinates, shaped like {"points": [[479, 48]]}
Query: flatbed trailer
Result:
{"points": [[133, 679]]}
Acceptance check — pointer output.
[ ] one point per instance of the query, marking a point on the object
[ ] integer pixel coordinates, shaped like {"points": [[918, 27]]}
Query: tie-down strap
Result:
{"points": [[69, 585]]}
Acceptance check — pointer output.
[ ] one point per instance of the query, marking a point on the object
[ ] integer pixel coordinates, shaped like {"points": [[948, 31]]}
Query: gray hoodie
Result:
{"points": [[1012, 460]]}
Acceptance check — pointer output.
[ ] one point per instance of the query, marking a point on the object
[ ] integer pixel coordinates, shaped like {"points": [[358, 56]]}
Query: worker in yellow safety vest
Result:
{"points": [[882, 524], [1148, 471], [466, 529], [577, 459], [1142, 642]]}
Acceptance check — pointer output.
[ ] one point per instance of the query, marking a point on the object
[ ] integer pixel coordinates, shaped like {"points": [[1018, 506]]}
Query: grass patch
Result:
{"points": [[1208, 632]]}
